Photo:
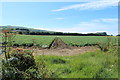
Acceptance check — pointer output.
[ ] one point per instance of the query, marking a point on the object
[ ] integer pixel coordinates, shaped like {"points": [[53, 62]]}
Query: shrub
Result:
{"points": [[103, 46], [25, 61], [20, 67], [11, 73], [32, 74], [106, 46]]}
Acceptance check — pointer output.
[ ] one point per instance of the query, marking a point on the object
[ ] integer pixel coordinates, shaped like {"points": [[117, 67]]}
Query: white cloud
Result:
{"points": [[106, 20], [109, 25], [110, 20], [59, 18], [98, 4]]}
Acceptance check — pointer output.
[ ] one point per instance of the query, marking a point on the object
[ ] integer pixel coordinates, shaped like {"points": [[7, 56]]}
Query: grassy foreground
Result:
{"points": [[96, 64]]}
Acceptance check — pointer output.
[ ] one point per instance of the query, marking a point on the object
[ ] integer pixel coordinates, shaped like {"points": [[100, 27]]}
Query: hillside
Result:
{"points": [[32, 31], [21, 28]]}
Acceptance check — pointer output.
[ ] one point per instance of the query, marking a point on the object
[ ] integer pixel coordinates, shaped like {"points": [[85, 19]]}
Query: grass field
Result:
{"points": [[93, 64], [71, 40], [96, 64]]}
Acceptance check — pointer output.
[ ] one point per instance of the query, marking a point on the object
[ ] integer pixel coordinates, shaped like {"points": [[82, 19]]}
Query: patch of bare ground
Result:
{"points": [[66, 51]]}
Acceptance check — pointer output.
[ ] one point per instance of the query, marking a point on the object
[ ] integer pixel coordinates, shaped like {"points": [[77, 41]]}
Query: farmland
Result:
{"points": [[70, 40], [85, 61], [59, 40]]}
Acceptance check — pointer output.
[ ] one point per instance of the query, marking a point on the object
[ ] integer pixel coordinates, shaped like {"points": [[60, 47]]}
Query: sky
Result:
{"points": [[82, 17]]}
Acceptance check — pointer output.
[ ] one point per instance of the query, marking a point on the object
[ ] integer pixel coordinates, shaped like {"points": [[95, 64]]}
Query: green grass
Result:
{"points": [[96, 64], [71, 40]]}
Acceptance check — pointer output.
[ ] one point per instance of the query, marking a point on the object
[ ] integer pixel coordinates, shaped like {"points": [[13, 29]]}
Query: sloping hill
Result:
{"points": [[22, 28], [32, 31]]}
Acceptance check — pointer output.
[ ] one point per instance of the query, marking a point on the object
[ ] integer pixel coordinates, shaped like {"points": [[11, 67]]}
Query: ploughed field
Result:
{"points": [[44, 41]]}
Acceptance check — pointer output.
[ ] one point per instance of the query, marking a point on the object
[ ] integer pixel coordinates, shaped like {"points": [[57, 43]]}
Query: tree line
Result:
{"points": [[33, 32]]}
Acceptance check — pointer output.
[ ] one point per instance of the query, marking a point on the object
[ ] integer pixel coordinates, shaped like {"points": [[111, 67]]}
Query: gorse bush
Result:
{"points": [[23, 61], [17, 66], [11, 73], [22, 66]]}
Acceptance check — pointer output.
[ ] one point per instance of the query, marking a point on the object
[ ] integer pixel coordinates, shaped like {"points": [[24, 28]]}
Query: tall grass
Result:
{"points": [[96, 64]]}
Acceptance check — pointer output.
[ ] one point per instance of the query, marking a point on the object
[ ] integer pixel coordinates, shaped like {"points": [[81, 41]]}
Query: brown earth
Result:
{"points": [[62, 52], [65, 51], [58, 43], [60, 48]]}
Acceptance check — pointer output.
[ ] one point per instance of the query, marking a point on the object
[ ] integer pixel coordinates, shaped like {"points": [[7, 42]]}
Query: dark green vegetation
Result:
{"points": [[18, 66], [96, 64], [22, 66], [44, 41], [31, 31]]}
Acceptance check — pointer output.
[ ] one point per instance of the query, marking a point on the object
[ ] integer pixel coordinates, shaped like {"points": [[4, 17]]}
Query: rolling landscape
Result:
{"points": [[69, 56], [87, 51]]}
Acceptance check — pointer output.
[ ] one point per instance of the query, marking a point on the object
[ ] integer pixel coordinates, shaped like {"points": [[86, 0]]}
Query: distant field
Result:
{"points": [[71, 40]]}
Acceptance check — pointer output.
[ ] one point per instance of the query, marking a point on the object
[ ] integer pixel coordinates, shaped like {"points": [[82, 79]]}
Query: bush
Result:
{"points": [[32, 74], [106, 46], [103, 46], [11, 73], [20, 67], [23, 61]]}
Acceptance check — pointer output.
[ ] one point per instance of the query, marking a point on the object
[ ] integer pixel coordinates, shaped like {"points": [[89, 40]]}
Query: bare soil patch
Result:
{"points": [[65, 51], [58, 43]]}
